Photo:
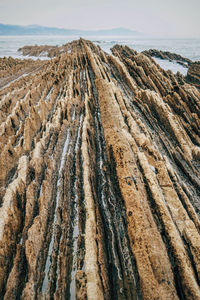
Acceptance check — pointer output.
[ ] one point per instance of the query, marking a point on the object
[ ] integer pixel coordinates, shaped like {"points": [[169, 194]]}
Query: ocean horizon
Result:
{"points": [[189, 48]]}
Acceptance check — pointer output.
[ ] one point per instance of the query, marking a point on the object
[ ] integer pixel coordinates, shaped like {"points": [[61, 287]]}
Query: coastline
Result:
{"points": [[99, 181], [189, 48]]}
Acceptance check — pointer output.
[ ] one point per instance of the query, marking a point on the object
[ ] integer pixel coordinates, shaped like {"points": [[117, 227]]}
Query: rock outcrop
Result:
{"points": [[99, 182], [168, 56], [193, 74], [45, 50], [11, 69]]}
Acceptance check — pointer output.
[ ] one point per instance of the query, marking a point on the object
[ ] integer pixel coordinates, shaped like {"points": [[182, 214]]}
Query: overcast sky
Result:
{"points": [[164, 18]]}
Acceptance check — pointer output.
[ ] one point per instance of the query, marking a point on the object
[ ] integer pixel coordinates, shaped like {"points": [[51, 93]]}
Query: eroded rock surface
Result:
{"points": [[11, 69], [193, 74], [169, 56], [99, 182], [45, 50]]}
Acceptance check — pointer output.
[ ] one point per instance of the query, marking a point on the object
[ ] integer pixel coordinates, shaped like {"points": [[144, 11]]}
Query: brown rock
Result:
{"points": [[99, 184]]}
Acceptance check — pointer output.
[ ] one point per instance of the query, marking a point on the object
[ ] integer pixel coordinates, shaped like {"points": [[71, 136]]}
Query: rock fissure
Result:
{"points": [[99, 181]]}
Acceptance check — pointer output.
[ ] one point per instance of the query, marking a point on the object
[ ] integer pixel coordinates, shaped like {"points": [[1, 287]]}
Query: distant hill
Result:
{"points": [[42, 30]]}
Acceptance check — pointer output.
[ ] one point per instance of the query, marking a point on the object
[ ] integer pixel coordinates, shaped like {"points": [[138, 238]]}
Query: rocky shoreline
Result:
{"points": [[166, 55], [193, 74], [45, 50], [99, 182]]}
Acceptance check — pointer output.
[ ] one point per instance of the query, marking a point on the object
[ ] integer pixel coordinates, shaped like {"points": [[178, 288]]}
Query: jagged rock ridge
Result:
{"points": [[44, 50], [193, 74], [99, 179], [166, 55]]}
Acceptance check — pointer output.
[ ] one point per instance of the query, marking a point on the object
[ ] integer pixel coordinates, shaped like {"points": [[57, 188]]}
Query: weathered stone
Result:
{"points": [[193, 74], [99, 183], [168, 56]]}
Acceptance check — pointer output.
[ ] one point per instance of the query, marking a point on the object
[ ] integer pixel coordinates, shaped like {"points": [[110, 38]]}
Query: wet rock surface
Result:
{"points": [[99, 182], [45, 50], [168, 56], [193, 74]]}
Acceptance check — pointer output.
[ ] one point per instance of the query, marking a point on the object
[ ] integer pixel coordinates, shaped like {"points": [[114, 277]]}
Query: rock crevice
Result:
{"points": [[99, 183]]}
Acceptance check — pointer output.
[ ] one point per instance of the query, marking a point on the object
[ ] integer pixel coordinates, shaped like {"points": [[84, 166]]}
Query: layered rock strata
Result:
{"points": [[11, 69], [166, 55], [45, 50], [99, 182], [193, 74]]}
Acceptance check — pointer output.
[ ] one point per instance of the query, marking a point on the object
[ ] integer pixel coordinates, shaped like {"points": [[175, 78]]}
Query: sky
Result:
{"points": [[159, 18]]}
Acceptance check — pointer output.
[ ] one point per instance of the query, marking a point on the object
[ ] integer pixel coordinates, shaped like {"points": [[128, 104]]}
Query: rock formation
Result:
{"points": [[168, 56], [193, 74], [11, 69], [99, 184], [45, 50]]}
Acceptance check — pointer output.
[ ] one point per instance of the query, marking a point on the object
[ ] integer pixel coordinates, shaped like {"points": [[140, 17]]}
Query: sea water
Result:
{"points": [[189, 48]]}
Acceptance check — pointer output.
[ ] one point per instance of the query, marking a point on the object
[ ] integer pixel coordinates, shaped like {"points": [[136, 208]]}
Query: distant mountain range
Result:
{"points": [[42, 30]]}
